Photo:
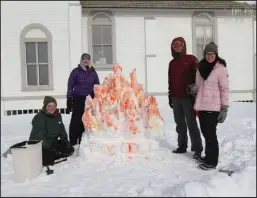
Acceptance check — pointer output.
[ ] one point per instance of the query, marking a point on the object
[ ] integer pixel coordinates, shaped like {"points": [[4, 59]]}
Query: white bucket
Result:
{"points": [[27, 160]]}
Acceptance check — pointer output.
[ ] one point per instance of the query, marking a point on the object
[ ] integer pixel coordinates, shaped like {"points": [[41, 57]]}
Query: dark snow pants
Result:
{"points": [[208, 124], [185, 116], [58, 150], [76, 125]]}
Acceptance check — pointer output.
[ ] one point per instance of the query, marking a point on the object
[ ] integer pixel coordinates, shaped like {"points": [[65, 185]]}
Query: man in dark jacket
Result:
{"points": [[80, 84], [181, 76], [48, 127]]}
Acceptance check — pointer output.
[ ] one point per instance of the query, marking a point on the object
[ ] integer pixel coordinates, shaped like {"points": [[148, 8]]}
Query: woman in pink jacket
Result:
{"points": [[212, 101]]}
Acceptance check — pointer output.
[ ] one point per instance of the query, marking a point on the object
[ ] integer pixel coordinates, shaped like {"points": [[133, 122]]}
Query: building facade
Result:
{"points": [[43, 41]]}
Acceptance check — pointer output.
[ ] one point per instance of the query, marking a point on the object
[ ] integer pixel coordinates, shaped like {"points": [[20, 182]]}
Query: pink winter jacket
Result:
{"points": [[214, 91]]}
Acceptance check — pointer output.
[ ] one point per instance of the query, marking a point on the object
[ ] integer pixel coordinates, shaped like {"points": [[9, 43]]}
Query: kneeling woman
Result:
{"points": [[47, 126]]}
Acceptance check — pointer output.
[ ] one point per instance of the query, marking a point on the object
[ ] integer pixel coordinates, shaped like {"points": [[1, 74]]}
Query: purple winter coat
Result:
{"points": [[81, 82]]}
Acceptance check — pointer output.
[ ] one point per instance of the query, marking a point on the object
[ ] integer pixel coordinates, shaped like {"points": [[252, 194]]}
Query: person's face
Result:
{"points": [[178, 46], [210, 57], [51, 107], [86, 60]]}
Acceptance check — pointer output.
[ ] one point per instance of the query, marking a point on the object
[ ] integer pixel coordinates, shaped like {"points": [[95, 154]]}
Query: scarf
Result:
{"points": [[84, 67], [206, 68]]}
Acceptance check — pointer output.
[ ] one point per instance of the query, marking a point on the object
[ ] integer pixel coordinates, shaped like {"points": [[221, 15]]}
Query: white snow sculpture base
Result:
{"points": [[117, 145]]}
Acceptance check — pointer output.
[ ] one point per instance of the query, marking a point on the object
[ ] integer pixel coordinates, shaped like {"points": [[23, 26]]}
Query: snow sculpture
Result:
{"points": [[121, 117]]}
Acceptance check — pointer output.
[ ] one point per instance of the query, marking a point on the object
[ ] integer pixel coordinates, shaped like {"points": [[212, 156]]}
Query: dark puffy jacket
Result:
{"points": [[182, 72], [48, 128], [81, 82]]}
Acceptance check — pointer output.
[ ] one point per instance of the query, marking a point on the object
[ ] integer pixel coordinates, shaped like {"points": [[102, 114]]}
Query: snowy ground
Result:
{"points": [[163, 174]]}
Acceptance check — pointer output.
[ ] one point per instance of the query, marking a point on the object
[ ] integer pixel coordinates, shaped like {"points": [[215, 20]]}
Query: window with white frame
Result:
{"points": [[102, 40], [36, 58], [204, 32]]}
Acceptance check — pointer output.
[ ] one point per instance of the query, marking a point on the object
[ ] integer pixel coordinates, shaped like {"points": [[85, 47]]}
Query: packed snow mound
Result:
{"points": [[121, 117], [163, 174]]}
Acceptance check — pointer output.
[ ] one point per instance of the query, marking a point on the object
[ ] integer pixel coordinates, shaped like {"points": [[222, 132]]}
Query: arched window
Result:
{"points": [[36, 58], [102, 40], [204, 31]]}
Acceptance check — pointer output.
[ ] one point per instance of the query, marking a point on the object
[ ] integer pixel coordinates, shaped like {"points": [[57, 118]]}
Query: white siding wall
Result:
{"points": [[167, 28], [254, 57], [130, 45], [84, 33], [254, 35], [63, 20], [70, 38], [29, 104], [240, 97], [75, 33], [101, 74], [235, 42], [131, 42], [137, 37], [14, 17]]}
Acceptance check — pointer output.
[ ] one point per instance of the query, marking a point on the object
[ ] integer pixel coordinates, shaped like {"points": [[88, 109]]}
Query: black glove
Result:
{"points": [[191, 89], [68, 148], [170, 103], [69, 104], [67, 143]]}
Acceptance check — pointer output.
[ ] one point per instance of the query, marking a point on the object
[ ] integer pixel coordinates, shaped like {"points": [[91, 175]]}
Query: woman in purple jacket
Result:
{"points": [[80, 84]]}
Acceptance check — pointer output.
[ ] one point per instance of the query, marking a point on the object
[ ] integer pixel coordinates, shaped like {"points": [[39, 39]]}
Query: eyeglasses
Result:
{"points": [[51, 106], [179, 44]]}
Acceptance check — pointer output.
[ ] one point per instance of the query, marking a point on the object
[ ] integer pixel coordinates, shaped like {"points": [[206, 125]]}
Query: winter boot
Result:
{"points": [[201, 159], [179, 150], [197, 155], [205, 166]]}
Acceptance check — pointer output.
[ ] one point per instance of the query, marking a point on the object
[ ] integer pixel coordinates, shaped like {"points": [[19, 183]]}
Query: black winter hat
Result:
{"points": [[49, 99], [211, 47]]}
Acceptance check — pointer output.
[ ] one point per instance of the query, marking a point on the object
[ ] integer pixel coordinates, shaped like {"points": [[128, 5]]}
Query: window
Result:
{"points": [[37, 63], [36, 58], [203, 32], [101, 40]]}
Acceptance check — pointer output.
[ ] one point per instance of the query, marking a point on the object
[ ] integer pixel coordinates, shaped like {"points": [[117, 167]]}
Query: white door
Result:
{"points": [[155, 73]]}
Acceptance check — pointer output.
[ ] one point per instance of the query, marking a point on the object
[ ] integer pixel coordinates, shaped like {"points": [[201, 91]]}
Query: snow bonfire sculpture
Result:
{"points": [[121, 118]]}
